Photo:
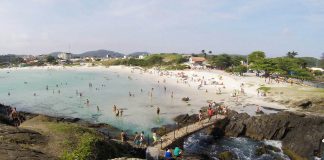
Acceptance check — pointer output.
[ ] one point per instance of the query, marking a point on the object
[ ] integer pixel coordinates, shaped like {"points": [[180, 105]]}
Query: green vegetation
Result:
{"points": [[255, 56], [284, 66], [292, 54], [84, 148], [310, 61], [168, 61], [264, 89], [80, 141]]}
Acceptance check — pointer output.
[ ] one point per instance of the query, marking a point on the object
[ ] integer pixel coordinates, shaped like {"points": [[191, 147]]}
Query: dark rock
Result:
{"points": [[305, 104], [14, 141], [226, 155], [298, 132], [266, 149]]}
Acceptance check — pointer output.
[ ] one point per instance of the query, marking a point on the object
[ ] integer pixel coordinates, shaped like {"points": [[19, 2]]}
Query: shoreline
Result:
{"points": [[246, 103]]}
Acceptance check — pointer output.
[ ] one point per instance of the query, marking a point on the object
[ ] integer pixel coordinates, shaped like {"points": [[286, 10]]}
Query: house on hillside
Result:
{"points": [[197, 62]]}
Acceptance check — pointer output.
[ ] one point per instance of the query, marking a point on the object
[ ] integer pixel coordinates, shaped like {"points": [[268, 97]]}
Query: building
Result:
{"points": [[197, 61], [65, 56]]}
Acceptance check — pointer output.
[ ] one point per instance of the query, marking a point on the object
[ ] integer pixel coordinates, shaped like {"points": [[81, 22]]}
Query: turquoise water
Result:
{"points": [[108, 88]]}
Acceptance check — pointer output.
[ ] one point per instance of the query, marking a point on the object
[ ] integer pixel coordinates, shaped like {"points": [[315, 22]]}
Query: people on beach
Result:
{"points": [[136, 139], [200, 115], [123, 136], [98, 109], [14, 116], [210, 112], [168, 155], [177, 152], [142, 138], [154, 135]]}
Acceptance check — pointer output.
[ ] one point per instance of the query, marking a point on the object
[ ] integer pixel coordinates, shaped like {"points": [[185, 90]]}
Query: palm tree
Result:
{"points": [[210, 52], [292, 54], [204, 53]]}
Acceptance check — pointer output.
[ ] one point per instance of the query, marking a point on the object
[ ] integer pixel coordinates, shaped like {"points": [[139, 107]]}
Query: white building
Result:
{"points": [[65, 56]]}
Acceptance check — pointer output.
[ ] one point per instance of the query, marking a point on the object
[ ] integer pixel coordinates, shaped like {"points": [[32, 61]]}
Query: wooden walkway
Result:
{"points": [[172, 136]]}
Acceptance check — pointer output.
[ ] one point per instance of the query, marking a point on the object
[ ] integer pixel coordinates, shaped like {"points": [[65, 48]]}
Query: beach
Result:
{"points": [[218, 84]]}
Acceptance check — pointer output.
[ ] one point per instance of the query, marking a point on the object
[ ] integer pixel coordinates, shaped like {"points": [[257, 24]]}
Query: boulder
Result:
{"points": [[299, 133], [226, 155]]}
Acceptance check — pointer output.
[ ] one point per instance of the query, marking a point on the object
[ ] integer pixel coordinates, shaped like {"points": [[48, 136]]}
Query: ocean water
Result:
{"points": [[108, 88], [241, 147]]}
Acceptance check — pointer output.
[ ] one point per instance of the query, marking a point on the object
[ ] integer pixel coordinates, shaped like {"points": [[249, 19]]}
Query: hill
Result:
{"points": [[101, 54], [54, 54], [137, 54]]}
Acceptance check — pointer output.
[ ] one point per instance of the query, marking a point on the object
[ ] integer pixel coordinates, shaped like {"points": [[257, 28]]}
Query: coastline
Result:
{"points": [[246, 103]]}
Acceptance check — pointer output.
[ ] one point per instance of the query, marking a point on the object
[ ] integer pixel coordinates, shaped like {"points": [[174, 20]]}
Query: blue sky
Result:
{"points": [[185, 26]]}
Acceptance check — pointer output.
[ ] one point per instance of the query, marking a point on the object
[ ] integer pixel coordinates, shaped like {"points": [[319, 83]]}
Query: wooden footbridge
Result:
{"points": [[170, 138], [177, 134]]}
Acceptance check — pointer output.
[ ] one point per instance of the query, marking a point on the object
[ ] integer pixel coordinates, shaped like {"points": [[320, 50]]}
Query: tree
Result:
{"points": [[240, 69], [50, 59], [267, 65], [222, 61], [204, 53], [256, 55], [210, 52], [321, 62], [292, 54]]}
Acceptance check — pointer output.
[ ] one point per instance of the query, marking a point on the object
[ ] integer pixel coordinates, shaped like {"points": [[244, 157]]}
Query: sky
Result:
{"points": [[182, 26]]}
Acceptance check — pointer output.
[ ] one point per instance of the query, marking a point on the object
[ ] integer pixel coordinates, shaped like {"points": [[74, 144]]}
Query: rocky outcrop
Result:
{"points": [[44, 137], [299, 133], [14, 141]]}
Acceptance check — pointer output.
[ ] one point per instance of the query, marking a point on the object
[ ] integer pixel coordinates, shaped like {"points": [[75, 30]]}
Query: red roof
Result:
{"points": [[198, 59]]}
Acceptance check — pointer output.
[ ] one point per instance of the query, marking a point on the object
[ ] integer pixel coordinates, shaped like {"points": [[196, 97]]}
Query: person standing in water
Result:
{"points": [[98, 109], [121, 112], [88, 101], [158, 110], [114, 108]]}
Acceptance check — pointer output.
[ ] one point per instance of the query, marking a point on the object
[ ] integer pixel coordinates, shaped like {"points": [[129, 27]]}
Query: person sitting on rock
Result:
{"points": [[168, 155]]}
